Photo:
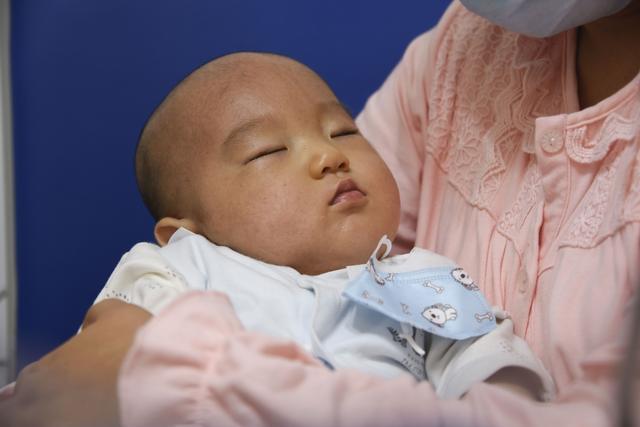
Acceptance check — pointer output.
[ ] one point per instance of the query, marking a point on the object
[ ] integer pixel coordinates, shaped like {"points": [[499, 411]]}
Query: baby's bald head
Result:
{"points": [[178, 131]]}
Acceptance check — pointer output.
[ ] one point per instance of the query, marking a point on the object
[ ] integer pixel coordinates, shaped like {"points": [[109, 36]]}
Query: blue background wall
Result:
{"points": [[86, 74]]}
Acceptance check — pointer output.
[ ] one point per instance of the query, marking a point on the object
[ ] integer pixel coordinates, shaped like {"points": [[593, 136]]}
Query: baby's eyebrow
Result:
{"points": [[336, 103], [244, 127], [346, 109]]}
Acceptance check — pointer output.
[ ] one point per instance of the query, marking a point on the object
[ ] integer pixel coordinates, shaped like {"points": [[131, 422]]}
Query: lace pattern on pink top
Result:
{"points": [[614, 199], [605, 209], [471, 140], [584, 228], [591, 142], [490, 86], [530, 194]]}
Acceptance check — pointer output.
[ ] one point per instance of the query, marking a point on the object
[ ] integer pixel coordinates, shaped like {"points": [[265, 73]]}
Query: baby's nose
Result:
{"points": [[327, 159]]}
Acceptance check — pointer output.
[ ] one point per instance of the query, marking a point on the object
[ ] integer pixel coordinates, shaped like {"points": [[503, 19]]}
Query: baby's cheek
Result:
{"points": [[271, 221], [390, 196]]}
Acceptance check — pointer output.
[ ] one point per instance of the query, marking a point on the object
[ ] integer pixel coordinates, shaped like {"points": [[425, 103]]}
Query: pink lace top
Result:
{"points": [[498, 170]]}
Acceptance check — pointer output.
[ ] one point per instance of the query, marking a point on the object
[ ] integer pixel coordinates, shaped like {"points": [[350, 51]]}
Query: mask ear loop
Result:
{"points": [[371, 264], [384, 240]]}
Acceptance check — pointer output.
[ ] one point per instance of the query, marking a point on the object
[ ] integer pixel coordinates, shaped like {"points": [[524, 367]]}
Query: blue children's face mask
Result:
{"points": [[444, 301], [543, 18]]}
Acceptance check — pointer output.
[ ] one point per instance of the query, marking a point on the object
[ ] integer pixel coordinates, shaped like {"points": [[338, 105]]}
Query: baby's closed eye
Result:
{"points": [[266, 152], [345, 132]]}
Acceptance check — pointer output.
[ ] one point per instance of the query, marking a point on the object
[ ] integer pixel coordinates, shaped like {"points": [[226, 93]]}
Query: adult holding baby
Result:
{"points": [[516, 154]]}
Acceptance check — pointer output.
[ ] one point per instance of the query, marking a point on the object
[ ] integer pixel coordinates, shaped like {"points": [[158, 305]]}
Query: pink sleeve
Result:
{"points": [[394, 118], [193, 365], [391, 125]]}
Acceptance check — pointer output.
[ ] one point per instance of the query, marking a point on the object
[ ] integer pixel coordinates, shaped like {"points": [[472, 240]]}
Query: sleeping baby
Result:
{"points": [[263, 189]]}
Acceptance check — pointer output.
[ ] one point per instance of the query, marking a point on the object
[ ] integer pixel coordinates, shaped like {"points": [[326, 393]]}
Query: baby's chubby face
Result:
{"points": [[284, 175]]}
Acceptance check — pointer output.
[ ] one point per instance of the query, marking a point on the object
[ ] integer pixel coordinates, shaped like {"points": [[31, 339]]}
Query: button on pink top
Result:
{"points": [[498, 170]]}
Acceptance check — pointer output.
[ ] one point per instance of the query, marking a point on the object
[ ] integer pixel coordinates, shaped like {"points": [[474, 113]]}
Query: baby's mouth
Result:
{"points": [[347, 191]]}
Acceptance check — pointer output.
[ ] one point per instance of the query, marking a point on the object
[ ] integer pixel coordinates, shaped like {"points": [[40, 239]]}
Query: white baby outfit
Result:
{"points": [[313, 312]]}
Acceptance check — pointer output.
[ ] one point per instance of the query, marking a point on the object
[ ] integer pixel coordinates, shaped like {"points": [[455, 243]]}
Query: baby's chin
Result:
{"points": [[324, 268], [340, 254], [328, 265]]}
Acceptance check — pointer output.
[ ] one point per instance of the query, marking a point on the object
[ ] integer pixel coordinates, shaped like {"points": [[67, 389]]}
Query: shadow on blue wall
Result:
{"points": [[86, 74]]}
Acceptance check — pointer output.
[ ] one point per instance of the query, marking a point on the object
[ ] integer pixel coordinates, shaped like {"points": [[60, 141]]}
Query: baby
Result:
{"points": [[263, 188]]}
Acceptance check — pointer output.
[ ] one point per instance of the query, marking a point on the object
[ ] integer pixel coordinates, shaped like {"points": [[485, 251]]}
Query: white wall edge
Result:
{"points": [[7, 217]]}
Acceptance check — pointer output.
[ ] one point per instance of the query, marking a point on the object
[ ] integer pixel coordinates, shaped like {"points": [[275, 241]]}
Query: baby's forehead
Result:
{"points": [[240, 99], [257, 76], [228, 93]]}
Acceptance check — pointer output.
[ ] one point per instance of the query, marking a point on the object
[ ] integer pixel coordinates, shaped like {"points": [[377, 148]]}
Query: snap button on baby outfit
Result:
{"points": [[552, 141]]}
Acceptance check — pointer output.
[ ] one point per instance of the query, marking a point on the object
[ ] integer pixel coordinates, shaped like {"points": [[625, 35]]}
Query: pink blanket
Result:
{"points": [[194, 365]]}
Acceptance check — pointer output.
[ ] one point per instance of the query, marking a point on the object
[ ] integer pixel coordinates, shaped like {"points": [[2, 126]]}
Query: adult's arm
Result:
{"points": [[75, 385], [392, 121], [194, 365]]}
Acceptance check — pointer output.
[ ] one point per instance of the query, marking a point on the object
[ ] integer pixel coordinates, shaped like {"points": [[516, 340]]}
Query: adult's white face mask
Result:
{"points": [[543, 18]]}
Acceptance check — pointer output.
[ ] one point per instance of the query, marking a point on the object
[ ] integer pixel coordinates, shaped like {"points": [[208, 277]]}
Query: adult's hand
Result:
{"points": [[75, 385]]}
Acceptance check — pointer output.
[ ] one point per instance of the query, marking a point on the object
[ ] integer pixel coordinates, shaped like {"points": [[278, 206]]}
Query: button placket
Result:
{"points": [[551, 159]]}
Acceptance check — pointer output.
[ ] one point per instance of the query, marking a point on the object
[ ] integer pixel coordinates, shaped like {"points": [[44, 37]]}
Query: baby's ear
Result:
{"points": [[165, 228]]}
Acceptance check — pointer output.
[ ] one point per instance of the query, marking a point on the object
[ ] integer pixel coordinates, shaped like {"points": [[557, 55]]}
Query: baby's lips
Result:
{"points": [[347, 189]]}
